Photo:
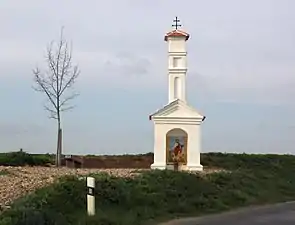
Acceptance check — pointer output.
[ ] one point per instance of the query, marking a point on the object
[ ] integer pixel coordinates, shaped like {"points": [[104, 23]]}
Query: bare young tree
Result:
{"points": [[55, 82]]}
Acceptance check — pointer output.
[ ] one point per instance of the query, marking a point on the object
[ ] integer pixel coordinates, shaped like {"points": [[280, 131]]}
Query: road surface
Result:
{"points": [[279, 214]]}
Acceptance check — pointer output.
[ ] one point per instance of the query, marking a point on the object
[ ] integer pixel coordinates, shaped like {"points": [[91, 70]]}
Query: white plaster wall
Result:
{"points": [[176, 44], [177, 48], [193, 145], [177, 87], [182, 63]]}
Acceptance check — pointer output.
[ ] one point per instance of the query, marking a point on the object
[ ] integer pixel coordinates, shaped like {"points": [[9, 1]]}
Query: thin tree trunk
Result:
{"points": [[59, 144], [59, 147]]}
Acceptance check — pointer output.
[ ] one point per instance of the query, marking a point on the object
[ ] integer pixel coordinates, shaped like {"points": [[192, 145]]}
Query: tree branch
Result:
{"points": [[71, 80], [67, 99], [44, 86], [53, 114], [58, 78]]}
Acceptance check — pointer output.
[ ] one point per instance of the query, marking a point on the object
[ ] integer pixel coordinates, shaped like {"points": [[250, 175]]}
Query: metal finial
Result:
{"points": [[176, 23]]}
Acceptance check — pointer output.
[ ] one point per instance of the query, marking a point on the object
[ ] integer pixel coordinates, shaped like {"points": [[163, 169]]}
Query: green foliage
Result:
{"points": [[156, 195], [21, 158], [247, 161]]}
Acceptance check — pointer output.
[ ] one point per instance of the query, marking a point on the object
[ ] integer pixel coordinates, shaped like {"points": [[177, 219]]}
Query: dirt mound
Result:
{"points": [[143, 161]]}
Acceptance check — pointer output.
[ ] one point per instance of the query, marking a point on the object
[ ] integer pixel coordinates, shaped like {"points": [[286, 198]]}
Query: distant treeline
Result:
{"points": [[21, 158]]}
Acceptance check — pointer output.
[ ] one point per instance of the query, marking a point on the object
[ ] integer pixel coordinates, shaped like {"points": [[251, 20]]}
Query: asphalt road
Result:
{"points": [[279, 214]]}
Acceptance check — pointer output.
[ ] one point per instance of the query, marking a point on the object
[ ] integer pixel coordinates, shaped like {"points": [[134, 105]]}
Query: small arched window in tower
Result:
{"points": [[177, 87]]}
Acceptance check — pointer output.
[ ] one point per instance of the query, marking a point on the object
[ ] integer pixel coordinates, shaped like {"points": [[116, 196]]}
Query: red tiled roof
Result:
{"points": [[177, 33]]}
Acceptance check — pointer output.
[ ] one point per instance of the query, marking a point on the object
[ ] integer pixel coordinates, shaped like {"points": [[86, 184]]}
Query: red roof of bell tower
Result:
{"points": [[177, 33]]}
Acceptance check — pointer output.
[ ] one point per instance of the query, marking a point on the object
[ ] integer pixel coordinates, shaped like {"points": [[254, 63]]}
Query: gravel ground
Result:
{"points": [[19, 181]]}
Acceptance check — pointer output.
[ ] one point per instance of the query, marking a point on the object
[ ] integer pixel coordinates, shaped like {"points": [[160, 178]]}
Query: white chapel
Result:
{"points": [[177, 126]]}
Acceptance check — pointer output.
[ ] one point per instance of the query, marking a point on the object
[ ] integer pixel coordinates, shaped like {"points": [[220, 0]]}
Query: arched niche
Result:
{"points": [[176, 146]]}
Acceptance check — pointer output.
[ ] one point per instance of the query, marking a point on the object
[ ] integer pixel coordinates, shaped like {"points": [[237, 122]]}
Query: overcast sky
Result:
{"points": [[241, 73]]}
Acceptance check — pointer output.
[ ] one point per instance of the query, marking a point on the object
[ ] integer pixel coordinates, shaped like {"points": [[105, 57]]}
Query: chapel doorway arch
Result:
{"points": [[176, 146]]}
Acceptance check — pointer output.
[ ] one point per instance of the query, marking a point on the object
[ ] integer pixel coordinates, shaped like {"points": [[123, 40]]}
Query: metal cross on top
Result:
{"points": [[176, 23]]}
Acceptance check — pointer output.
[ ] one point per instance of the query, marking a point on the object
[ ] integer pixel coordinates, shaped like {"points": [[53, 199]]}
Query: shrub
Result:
{"points": [[21, 158]]}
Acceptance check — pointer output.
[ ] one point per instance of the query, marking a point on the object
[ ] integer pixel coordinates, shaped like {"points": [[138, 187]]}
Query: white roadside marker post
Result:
{"points": [[90, 196]]}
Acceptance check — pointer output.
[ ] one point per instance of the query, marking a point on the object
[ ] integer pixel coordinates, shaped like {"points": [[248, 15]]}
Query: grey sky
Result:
{"points": [[240, 52]]}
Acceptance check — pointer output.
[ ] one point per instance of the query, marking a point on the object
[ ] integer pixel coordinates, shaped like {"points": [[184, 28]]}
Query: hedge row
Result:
{"points": [[21, 158]]}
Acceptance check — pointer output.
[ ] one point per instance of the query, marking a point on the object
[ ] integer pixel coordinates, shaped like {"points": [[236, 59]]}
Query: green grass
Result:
{"points": [[161, 195]]}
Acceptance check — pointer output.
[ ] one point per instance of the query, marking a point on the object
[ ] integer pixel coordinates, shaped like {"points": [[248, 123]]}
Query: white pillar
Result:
{"points": [[194, 149], [90, 196], [159, 147]]}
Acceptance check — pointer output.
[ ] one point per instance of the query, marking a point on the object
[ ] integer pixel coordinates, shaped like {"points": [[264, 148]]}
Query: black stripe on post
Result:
{"points": [[90, 191]]}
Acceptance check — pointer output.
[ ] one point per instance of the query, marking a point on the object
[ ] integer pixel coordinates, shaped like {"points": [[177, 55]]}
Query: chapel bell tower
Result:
{"points": [[177, 125], [177, 62]]}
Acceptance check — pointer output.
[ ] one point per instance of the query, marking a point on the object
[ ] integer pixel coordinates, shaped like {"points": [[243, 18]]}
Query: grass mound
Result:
{"points": [[158, 195]]}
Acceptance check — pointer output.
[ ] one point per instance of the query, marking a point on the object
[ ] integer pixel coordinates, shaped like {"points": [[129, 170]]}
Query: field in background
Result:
{"points": [[143, 161], [105, 161]]}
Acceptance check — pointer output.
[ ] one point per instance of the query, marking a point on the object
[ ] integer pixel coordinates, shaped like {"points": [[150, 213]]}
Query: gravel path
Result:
{"points": [[19, 181]]}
